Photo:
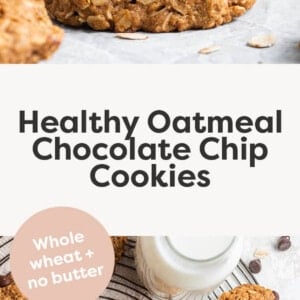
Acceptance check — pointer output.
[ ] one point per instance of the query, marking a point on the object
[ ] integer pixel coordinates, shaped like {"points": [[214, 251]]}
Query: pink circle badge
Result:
{"points": [[62, 253]]}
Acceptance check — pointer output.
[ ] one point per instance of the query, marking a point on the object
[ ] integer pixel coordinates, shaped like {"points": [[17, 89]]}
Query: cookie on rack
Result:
{"points": [[27, 34], [249, 292], [147, 15]]}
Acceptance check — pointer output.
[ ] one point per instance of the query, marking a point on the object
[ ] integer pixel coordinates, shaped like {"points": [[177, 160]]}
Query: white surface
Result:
{"points": [[282, 18], [280, 270]]}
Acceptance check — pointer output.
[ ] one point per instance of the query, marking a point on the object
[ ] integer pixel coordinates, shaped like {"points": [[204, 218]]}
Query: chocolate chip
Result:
{"points": [[284, 243], [255, 266], [276, 295], [5, 280], [287, 237]]}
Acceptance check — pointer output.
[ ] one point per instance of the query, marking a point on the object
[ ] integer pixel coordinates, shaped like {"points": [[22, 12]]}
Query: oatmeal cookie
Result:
{"points": [[147, 15], [8, 289], [11, 292], [27, 34], [248, 292], [118, 244]]}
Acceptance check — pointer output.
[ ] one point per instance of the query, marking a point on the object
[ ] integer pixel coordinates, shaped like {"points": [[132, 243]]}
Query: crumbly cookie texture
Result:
{"points": [[11, 292], [118, 244], [147, 15], [27, 34], [248, 292]]}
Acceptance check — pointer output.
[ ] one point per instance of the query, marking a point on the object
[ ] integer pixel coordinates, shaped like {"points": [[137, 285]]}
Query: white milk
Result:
{"points": [[200, 248], [176, 265]]}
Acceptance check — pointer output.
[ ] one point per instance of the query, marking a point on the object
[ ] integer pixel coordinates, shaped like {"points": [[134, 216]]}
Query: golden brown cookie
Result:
{"points": [[147, 15], [27, 34], [118, 244], [11, 292], [8, 289], [248, 292]]}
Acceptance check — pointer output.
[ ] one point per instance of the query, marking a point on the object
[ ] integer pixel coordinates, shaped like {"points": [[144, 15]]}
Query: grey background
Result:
{"points": [[279, 17]]}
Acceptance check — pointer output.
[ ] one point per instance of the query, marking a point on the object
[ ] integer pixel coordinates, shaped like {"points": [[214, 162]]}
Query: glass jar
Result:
{"points": [[178, 267]]}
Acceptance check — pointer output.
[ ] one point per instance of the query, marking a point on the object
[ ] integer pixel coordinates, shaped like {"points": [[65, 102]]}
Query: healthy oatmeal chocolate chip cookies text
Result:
{"points": [[27, 35], [147, 15]]}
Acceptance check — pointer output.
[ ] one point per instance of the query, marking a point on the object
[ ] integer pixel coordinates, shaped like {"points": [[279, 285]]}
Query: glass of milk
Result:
{"points": [[175, 267]]}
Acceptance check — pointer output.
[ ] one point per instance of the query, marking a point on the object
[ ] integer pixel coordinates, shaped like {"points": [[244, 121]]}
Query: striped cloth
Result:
{"points": [[125, 284], [5, 243]]}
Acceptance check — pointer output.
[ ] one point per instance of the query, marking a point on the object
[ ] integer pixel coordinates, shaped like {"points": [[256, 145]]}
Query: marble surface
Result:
{"points": [[280, 270], [281, 18]]}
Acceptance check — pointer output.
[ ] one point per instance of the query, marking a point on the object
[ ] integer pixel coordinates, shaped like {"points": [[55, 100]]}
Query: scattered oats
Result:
{"points": [[262, 41], [210, 49], [132, 36], [261, 253]]}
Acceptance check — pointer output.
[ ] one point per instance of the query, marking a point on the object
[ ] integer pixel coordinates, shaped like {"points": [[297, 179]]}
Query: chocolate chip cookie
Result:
{"points": [[147, 15], [8, 289], [27, 34], [248, 292]]}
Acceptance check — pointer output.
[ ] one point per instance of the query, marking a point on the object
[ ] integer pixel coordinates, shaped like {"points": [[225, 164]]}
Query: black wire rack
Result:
{"points": [[125, 284]]}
